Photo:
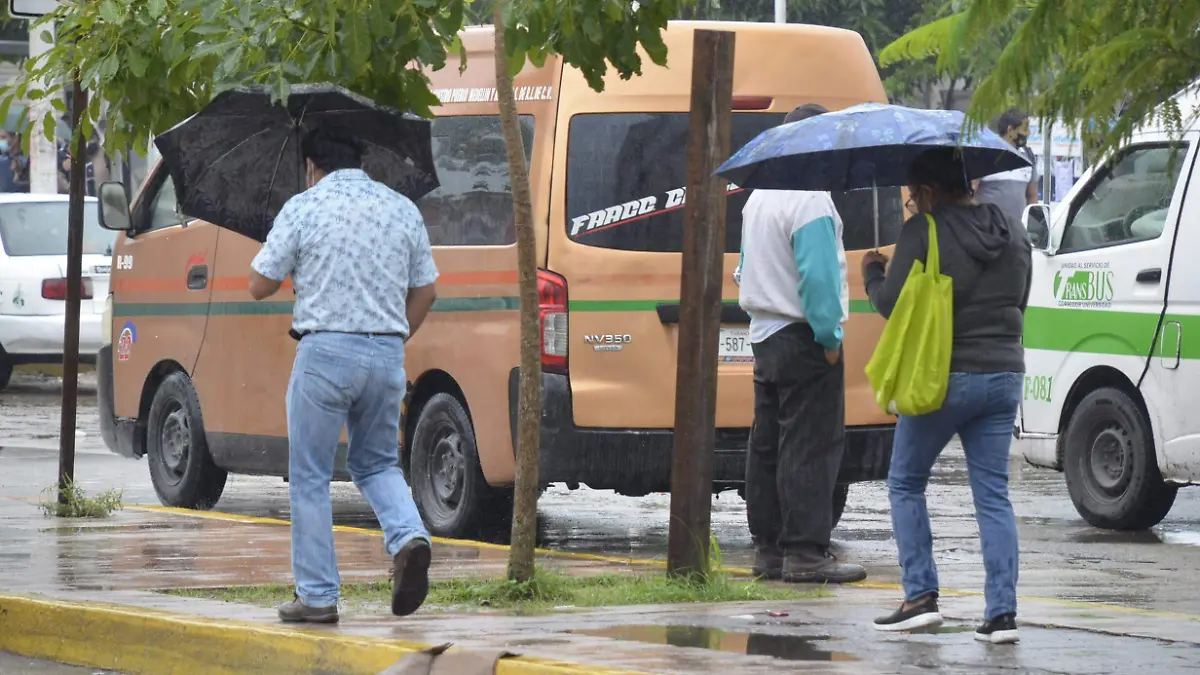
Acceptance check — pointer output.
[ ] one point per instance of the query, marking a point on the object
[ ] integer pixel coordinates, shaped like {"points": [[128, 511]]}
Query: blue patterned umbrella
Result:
{"points": [[865, 146]]}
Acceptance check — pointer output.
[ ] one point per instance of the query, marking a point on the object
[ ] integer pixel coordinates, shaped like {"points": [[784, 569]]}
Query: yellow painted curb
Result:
{"points": [[141, 641]]}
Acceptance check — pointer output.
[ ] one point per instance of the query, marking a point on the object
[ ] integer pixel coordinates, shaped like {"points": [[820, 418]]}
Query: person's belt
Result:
{"points": [[297, 335]]}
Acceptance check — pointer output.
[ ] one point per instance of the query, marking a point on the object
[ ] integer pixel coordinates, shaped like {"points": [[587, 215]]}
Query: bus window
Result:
{"points": [[626, 173]]}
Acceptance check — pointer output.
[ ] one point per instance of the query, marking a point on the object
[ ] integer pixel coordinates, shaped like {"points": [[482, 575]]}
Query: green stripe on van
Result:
{"points": [[1106, 332], [1091, 331]]}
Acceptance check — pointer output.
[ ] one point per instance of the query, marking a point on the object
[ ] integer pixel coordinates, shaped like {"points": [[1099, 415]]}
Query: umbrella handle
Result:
{"points": [[875, 198]]}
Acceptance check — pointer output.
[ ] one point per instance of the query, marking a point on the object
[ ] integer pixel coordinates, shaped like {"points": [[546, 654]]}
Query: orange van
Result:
{"points": [[194, 371]]}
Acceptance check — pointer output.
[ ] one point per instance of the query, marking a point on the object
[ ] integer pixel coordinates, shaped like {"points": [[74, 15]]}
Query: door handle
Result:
{"points": [[1151, 276], [197, 279]]}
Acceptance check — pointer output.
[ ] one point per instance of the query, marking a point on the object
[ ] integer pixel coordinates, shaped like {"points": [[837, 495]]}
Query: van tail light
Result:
{"points": [[56, 289], [552, 310]]}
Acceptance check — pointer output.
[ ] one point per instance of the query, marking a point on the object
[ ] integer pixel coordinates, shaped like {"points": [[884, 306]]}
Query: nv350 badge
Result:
{"points": [[608, 343]]}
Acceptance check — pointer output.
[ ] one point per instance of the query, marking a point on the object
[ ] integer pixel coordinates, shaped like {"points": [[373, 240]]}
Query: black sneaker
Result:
{"points": [[921, 615], [1001, 630]]}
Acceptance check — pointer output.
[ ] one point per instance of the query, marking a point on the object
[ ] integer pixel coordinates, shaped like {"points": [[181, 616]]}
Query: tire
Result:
{"points": [[1110, 464], [181, 469], [6, 369], [447, 482], [840, 492]]}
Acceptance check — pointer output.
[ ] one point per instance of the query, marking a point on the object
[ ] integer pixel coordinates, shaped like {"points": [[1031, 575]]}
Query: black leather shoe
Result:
{"points": [[823, 569]]}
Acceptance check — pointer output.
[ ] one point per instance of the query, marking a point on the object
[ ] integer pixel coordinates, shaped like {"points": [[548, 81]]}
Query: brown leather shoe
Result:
{"points": [[410, 577], [298, 612]]}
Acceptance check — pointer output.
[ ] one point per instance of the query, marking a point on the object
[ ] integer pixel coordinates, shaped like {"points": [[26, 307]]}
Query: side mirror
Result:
{"points": [[1036, 219], [114, 207]]}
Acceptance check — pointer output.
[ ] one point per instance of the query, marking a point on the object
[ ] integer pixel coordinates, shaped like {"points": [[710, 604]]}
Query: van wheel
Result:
{"points": [[841, 492], [447, 481], [1110, 465], [6, 369], [181, 469]]}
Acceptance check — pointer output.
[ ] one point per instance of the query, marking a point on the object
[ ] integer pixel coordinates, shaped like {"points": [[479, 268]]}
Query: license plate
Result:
{"points": [[734, 346], [101, 269]]}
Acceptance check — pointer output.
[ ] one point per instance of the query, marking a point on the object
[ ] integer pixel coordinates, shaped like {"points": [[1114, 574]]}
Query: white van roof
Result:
{"points": [[1188, 101]]}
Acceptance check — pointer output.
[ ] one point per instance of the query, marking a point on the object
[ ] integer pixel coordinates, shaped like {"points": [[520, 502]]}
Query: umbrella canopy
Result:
{"points": [[238, 161], [867, 145]]}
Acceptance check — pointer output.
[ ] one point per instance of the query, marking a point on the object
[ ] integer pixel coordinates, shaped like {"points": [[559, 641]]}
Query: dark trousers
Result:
{"points": [[796, 443]]}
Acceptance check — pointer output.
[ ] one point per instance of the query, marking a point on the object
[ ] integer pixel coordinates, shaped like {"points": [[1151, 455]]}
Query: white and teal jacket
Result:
{"points": [[793, 265]]}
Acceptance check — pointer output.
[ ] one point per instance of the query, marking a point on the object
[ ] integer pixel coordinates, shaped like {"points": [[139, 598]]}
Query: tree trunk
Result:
{"points": [[948, 101], [524, 523]]}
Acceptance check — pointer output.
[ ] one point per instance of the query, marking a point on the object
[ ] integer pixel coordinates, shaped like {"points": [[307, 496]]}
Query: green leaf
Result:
{"points": [[109, 12], [49, 124], [137, 63], [156, 8], [357, 36]]}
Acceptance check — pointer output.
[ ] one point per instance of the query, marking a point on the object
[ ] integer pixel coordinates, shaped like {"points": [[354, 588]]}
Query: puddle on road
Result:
{"points": [[786, 647], [1181, 538]]}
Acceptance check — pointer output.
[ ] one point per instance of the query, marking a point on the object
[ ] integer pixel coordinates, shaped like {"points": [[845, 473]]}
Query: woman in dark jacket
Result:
{"points": [[988, 257]]}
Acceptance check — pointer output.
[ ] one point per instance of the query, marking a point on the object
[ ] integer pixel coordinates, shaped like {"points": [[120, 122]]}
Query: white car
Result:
{"points": [[33, 284]]}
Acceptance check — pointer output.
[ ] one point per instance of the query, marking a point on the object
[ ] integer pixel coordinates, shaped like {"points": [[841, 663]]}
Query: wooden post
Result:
{"points": [[70, 385], [700, 304]]}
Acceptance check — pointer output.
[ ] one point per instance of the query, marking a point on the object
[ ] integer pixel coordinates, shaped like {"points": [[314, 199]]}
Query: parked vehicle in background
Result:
{"points": [[197, 378], [33, 284], [1112, 333]]}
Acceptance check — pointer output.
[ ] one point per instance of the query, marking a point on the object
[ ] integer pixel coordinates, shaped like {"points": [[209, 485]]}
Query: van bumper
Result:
{"points": [[118, 434], [638, 461]]}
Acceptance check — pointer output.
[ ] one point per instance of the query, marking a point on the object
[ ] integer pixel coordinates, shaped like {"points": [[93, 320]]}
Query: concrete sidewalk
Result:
{"points": [[82, 592]]}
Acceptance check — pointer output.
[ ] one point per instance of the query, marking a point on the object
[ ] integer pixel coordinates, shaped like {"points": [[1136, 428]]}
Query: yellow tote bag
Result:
{"points": [[910, 368]]}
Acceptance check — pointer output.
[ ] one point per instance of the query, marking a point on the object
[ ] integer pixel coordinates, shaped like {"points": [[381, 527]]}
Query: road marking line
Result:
{"points": [[642, 562]]}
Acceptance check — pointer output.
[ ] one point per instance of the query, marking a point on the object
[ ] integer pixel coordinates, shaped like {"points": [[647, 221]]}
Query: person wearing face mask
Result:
{"points": [[1012, 190], [987, 255], [363, 273]]}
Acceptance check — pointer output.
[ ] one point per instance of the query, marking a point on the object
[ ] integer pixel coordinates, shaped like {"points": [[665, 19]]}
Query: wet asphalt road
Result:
{"points": [[1062, 557], [19, 665]]}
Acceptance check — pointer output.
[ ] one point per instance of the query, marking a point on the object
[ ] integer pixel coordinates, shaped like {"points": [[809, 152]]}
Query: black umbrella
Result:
{"points": [[237, 161]]}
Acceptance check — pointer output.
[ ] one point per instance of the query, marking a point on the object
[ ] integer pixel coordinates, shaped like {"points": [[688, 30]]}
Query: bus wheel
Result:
{"points": [[447, 482], [841, 492], [1110, 465], [181, 469]]}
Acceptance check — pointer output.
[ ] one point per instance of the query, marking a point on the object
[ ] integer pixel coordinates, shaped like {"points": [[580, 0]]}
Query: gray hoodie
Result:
{"points": [[988, 257]]}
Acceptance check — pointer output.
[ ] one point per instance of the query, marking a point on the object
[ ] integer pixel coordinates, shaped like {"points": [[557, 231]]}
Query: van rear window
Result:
{"points": [[626, 174], [40, 228]]}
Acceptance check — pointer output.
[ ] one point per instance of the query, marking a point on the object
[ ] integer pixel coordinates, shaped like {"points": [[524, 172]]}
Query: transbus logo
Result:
{"points": [[1084, 285]]}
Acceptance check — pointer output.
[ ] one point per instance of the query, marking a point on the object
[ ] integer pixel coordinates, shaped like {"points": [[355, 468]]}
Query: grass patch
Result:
{"points": [[78, 504], [546, 590]]}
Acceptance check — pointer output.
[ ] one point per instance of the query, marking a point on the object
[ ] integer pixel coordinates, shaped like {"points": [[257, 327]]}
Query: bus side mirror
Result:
{"points": [[1036, 219], [114, 207]]}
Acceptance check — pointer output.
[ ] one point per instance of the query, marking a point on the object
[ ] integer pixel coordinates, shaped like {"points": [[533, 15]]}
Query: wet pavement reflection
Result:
{"points": [[1061, 555], [779, 646]]}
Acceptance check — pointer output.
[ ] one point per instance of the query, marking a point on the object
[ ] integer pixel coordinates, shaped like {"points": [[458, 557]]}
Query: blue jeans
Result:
{"points": [[341, 380], [981, 409]]}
